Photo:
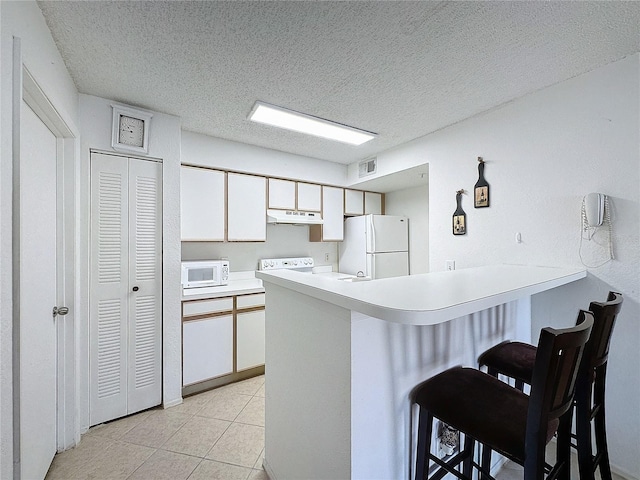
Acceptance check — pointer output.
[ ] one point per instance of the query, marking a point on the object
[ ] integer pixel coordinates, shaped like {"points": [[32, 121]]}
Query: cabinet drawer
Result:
{"points": [[204, 307], [250, 301]]}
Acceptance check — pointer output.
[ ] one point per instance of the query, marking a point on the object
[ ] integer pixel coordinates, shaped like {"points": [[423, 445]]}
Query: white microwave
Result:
{"points": [[205, 273]]}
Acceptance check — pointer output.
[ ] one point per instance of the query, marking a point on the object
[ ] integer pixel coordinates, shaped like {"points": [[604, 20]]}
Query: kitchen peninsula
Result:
{"points": [[342, 357]]}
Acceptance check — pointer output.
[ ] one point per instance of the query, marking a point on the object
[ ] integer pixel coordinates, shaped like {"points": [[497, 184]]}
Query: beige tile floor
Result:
{"points": [[213, 435]]}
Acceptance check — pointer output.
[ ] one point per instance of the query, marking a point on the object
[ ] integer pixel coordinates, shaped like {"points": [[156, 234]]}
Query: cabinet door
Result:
{"points": [[282, 194], [202, 197], [246, 208], [250, 339], [372, 203], [353, 202], [309, 197], [332, 214], [207, 348]]}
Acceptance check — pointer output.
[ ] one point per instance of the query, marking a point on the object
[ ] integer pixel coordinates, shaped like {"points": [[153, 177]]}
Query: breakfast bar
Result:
{"points": [[342, 356]]}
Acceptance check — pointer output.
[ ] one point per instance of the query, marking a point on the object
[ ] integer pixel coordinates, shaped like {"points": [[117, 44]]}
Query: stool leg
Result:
{"points": [[423, 446], [563, 451], [485, 463], [583, 429], [600, 424], [467, 464]]}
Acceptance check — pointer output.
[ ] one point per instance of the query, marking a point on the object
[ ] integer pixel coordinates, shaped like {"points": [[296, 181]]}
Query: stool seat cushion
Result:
{"points": [[482, 406], [513, 359]]}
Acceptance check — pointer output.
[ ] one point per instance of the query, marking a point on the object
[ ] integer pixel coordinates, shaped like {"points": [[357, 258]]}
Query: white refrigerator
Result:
{"points": [[376, 245]]}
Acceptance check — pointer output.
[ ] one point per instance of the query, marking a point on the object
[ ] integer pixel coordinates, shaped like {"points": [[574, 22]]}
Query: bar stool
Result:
{"points": [[516, 359], [502, 418]]}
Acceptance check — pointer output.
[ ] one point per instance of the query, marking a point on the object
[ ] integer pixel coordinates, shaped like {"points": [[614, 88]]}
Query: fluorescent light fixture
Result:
{"points": [[300, 122]]}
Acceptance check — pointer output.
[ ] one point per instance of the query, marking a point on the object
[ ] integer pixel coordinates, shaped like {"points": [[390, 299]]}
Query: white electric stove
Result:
{"points": [[300, 264]]}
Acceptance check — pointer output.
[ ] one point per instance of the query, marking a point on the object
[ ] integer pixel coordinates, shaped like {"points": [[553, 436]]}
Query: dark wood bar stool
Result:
{"points": [[516, 360], [502, 418]]}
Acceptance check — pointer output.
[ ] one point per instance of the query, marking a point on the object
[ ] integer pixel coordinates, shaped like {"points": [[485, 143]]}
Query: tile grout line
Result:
{"points": [[189, 416]]}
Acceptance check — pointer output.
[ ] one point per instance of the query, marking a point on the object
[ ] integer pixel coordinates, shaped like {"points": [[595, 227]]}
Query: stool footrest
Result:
{"points": [[448, 466]]}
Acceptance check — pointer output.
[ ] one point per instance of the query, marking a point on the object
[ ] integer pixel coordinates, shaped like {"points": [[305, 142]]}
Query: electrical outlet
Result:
{"points": [[450, 264], [327, 257]]}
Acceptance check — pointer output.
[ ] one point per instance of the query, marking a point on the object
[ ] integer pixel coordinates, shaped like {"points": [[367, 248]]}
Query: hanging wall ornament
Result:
{"points": [[459, 217], [481, 190]]}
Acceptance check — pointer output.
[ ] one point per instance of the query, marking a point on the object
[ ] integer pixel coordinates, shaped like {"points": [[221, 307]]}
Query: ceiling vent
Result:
{"points": [[367, 167]]}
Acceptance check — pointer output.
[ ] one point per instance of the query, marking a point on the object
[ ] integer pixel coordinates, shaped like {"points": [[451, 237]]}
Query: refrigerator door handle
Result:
{"points": [[372, 232]]}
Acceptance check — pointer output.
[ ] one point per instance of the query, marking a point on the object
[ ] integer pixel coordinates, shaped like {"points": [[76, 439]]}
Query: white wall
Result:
{"points": [[282, 240], [198, 149], [41, 57], [164, 143], [413, 203], [544, 152]]}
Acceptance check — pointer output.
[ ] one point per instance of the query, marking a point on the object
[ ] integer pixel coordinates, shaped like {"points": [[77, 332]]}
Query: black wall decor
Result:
{"points": [[481, 190], [459, 217]]}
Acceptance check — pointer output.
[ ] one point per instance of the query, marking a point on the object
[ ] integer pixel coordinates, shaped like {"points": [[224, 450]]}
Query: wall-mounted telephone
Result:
{"points": [[596, 217], [594, 209]]}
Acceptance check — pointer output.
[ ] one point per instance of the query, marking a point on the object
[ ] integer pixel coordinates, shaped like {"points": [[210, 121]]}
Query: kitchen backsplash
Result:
{"points": [[282, 241]]}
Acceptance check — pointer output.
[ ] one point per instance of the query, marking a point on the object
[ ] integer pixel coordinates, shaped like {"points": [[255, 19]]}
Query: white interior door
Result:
{"points": [[145, 285], [38, 290], [109, 288], [125, 326]]}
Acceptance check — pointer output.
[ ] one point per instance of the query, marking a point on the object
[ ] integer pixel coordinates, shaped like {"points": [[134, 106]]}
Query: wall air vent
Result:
{"points": [[367, 167]]}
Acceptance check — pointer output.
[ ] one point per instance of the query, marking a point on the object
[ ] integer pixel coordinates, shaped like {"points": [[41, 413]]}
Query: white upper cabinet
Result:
{"points": [[332, 229], [246, 208], [353, 202], [202, 201], [282, 194], [372, 203], [309, 197]]}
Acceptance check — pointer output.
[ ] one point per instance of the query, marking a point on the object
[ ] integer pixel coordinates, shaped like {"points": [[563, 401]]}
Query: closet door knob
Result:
{"points": [[135, 289]]}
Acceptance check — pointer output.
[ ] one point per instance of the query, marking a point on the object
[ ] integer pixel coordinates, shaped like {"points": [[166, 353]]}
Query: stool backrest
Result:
{"points": [[554, 378], [604, 318]]}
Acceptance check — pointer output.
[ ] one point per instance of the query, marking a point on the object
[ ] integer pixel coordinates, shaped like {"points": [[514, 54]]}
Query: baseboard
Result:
{"points": [[268, 469], [172, 403], [622, 473]]}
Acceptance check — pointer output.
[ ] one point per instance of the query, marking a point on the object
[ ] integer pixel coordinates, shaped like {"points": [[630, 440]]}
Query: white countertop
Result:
{"points": [[429, 298], [240, 283]]}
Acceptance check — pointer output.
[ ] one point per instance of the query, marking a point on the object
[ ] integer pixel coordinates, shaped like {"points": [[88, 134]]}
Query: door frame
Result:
{"points": [[26, 87]]}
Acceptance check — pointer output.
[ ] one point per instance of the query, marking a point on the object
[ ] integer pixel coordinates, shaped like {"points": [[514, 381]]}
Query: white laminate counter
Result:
{"points": [[240, 283], [351, 352], [429, 298]]}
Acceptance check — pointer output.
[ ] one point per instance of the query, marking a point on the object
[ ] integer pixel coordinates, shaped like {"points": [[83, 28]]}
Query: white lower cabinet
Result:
{"points": [[208, 348], [222, 340], [250, 339]]}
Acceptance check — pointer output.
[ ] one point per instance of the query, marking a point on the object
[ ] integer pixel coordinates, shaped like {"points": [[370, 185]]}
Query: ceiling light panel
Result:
{"points": [[300, 122]]}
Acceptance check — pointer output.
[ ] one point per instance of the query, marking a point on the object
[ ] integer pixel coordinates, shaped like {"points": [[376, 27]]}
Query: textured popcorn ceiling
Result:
{"points": [[401, 69]]}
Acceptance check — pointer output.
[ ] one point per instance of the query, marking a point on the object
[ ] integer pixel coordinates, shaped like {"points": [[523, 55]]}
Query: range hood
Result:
{"points": [[294, 217]]}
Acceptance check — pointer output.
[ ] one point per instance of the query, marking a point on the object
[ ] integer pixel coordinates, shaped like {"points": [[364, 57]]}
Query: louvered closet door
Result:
{"points": [[145, 273], [125, 322]]}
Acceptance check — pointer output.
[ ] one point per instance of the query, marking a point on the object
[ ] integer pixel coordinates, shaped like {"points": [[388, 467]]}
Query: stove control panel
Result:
{"points": [[293, 263]]}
